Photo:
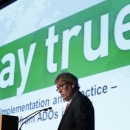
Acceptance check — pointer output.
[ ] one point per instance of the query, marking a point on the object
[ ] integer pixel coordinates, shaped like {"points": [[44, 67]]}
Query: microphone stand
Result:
{"points": [[37, 112]]}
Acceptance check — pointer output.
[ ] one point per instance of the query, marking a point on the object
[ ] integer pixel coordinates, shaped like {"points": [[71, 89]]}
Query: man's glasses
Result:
{"points": [[61, 86]]}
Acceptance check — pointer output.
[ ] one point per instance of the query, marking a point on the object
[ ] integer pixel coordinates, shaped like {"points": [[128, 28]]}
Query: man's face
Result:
{"points": [[65, 89]]}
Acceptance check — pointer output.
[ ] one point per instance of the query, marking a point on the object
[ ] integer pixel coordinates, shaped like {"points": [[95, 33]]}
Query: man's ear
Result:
{"points": [[73, 85]]}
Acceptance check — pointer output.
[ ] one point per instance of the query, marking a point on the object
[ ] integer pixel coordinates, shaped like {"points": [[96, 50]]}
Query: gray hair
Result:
{"points": [[69, 78]]}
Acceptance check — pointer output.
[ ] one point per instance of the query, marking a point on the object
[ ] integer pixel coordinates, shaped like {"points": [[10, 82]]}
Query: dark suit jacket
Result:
{"points": [[79, 115]]}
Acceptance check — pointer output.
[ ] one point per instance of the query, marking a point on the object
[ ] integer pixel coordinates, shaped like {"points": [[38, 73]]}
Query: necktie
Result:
{"points": [[67, 106]]}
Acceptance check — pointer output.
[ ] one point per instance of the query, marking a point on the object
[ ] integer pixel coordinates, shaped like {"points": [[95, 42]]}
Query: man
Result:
{"points": [[79, 114]]}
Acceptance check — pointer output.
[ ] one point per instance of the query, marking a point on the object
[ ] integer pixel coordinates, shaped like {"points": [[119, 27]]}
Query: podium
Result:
{"points": [[8, 122]]}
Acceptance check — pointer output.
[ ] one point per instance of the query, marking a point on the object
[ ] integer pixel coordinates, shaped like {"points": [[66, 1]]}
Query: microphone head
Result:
{"points": [[49, 108], [45, 109]]}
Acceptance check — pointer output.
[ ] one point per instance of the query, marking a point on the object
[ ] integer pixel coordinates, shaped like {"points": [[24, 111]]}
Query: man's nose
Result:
{"points": [[60, 90]]}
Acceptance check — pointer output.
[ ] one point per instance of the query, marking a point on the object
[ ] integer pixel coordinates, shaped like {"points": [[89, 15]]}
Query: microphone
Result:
{"points": [[45, 109]]}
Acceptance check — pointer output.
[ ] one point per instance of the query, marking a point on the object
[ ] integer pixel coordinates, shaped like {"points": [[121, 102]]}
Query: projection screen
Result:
{"points": [[41, 38]]}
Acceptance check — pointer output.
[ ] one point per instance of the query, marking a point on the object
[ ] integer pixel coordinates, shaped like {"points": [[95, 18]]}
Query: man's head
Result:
{"points": [[67, 85]]}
